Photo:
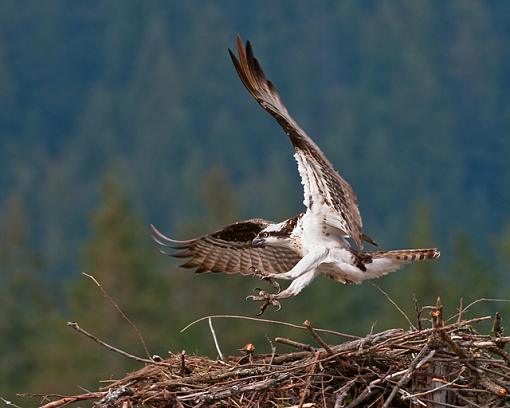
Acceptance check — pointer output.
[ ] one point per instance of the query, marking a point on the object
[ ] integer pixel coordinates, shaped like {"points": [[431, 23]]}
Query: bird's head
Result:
{"points": [[275, 235]]}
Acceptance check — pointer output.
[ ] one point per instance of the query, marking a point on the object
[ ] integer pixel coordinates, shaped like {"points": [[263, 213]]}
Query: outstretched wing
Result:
{"points": [[326, 192], [229, 250]]}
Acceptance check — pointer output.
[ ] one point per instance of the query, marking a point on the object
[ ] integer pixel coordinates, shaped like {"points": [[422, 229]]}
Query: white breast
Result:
{"points": [[316, 234]]}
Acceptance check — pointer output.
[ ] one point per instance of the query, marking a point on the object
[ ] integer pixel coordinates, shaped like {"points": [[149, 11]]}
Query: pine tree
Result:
{"points": [[120, 257], [469, 275], [24, 301], [418, 280]]}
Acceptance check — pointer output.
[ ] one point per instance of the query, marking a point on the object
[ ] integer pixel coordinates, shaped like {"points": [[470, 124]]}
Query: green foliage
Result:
{"points": [[419, 281], [120, 257], [409, 100], [25, 299]]}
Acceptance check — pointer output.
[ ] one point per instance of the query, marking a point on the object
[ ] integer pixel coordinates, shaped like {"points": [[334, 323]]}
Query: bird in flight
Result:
{"points": [[312, 243]]}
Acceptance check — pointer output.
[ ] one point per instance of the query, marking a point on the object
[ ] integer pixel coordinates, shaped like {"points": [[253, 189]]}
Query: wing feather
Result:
{"points": [[229, 250], [326, 193]]}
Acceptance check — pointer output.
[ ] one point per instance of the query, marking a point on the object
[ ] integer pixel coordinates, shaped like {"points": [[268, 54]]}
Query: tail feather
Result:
{"points": [[382, 262], [407, 255]]}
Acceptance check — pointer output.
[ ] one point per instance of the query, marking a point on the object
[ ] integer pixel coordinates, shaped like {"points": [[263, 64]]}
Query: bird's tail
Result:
{"points": [[407, 255], [383, 262]]}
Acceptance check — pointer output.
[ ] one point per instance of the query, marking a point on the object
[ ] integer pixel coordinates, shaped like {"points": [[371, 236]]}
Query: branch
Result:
{"points": [[308, 381], [9, 403], [422, 357], [216, 344], [75, 326], [474, 303], [256, 319], [293, 343], [394, 304], [73, 398], [324, 345], [116, 306]]}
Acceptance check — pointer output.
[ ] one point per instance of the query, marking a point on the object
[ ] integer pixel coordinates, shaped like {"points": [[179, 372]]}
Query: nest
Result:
{"points": [[441, 365]]}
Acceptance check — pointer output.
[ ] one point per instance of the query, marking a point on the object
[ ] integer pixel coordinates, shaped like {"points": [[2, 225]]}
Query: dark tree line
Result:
{"points": [[113, 116]]}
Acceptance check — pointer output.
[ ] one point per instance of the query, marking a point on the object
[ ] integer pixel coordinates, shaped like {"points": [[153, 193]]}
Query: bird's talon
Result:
{"points": [[267, 299]]}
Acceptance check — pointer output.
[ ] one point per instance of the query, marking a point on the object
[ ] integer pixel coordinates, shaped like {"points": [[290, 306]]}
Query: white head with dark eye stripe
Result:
{"points": [[274, 235]]}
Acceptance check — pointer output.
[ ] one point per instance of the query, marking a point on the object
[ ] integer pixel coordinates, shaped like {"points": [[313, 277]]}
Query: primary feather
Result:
{"points": [[230, 250], [326, 193]]}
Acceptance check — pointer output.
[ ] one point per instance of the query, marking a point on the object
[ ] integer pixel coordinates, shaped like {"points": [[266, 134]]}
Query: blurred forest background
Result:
{"points": [[114, 115]]}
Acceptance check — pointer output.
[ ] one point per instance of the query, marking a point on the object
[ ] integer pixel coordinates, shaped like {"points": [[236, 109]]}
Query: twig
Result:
{"points": [[273, 351], [75, 326], [116, 306], [407, 375], [440, 404], [293, 343], [418, 310], [394, 304], [489, 385], [433, 390], [388, 377], [74, 398], [366, 393], [319, 340], [342, 393], [478, 301], [216, 344], [500, 352], [497, 329], [407, 336], [182, 358], [470, 403], [9, 403], [209, 396], [113, 395], [308, 381], [461, 306], [256, 319]]}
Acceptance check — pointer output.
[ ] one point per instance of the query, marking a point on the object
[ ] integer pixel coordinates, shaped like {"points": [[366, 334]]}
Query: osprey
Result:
{"points": [[315, 242]]}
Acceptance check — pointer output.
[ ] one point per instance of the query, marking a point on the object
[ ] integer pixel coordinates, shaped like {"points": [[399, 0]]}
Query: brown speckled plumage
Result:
{"points": [[336, 193], [299, 248], [229, 250]]}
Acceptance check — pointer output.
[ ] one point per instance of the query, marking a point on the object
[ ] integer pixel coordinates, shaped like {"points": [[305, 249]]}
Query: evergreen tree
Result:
{"points": [[419, 279], [502, 245], [469, 276], [500, 281], [24, 300], [120, 257]]}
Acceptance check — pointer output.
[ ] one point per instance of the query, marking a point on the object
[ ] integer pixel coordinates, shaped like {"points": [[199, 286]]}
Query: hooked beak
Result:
{"points": [[258, 242]]}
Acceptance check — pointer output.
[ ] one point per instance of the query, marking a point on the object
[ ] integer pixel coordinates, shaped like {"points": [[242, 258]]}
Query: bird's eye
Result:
{"points": [[265, 234]]}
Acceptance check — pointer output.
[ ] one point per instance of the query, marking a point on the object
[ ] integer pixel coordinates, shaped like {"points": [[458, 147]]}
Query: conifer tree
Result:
{"points": [[418, 280], [469, 276], [119, 255], [24, 300], [499, 280]]}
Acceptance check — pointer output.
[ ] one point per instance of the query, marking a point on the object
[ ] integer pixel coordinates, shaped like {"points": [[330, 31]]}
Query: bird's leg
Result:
{"points": [[302, 273], [309, 262], [273, 299], [262, 276]]}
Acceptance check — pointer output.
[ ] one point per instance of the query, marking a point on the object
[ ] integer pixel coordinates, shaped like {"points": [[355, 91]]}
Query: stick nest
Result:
{"points": [[441, 365]]}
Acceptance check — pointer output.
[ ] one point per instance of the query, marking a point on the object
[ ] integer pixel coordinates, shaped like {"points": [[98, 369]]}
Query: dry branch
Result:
{"points": [[116, 306], [440, 365]]}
